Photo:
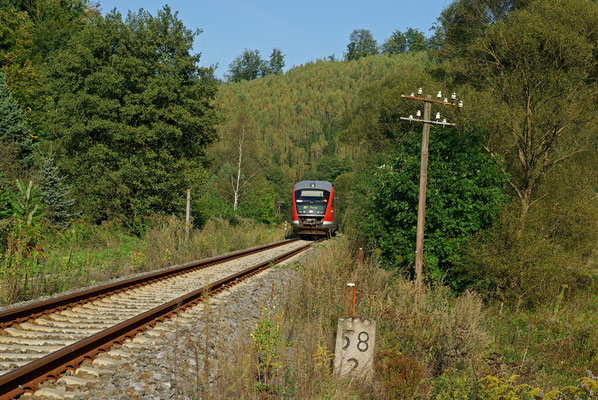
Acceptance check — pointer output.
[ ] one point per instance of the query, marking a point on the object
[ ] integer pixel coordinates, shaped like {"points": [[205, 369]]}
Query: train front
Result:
{"points": [[313, 208]]}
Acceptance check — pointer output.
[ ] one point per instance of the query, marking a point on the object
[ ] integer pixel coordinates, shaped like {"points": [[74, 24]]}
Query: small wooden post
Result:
{"points": [[188, 215], [360, 255], [352, 285]]}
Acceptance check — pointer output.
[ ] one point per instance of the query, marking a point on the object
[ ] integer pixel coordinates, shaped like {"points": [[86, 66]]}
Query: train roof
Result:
{"points": [[313, 184]]}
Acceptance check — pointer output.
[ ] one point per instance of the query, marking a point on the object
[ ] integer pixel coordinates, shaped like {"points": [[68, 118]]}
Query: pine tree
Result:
{"points": [[13, 127], [55, 194]]}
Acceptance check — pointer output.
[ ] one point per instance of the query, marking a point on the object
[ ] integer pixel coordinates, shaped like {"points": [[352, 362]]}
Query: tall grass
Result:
{"points": [[86, 254]]}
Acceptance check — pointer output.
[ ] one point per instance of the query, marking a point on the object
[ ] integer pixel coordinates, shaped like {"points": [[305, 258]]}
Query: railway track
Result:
{"points": [[43, 340]]}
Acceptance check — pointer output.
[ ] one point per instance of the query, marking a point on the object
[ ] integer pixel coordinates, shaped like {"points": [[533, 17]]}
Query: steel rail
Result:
{"points": [[28, 312], [28, 377]]}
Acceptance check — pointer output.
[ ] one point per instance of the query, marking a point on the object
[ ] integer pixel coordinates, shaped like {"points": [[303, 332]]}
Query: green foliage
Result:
{"points": [[266, 338], [416, 40], [535, 75], [361, 44], [4, 196], [555, 247], [30, 32], [211, 204], [133, 114], [458, 386], [464, 193], [395, 44], [13, 126], [276, 62], [258, 202], [329, 168], [372, 124], [26, 204], [249, 65], [56, 194], [246, 67], [464, 21]]}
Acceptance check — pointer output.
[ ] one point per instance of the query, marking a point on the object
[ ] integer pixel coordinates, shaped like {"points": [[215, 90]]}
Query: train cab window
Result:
{"points": [[311, 201]]}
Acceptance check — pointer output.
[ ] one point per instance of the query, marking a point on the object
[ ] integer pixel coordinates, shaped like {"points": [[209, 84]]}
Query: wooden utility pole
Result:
{"points": [[188, 215], [423, 175], [421, 205]]}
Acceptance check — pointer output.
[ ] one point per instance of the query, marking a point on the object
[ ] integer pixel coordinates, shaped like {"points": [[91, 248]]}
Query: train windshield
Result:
{"points": [[311, 201]]}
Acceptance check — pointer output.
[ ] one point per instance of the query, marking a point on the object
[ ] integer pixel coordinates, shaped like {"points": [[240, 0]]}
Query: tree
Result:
{"points": [[237, 155], [465, 192], [133, 114], [464, 21], [535, 73], [416, 40], [13, 127], [276, 62], [56, 195], [329, 167], [248, 66], [29, 32], [395, 44], [361, 44], [258, 203]]}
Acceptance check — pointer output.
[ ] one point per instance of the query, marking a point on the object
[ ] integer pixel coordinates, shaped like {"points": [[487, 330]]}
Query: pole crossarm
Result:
{"points": [[428, 122], [446, 103]]}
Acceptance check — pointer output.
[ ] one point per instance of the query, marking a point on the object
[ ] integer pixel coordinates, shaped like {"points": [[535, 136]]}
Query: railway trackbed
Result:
{"points": [[41, 341]]}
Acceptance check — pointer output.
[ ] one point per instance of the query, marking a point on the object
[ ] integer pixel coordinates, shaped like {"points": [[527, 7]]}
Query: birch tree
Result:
{"points": [[239, 180], [238, 155]]}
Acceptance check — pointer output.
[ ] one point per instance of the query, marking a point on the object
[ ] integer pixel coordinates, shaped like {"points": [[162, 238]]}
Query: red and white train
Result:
{"points": [[312, 211]]}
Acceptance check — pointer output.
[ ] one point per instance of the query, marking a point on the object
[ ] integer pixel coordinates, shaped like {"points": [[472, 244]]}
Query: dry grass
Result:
{"points": [[85, 255], [289, 353]]}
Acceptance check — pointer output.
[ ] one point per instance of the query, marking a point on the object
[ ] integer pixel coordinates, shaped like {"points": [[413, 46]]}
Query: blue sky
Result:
{"points": [[304, 30]]}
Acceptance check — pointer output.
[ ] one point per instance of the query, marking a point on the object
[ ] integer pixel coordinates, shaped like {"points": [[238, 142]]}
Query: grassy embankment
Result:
{"points": [[456, 347], [88, 254]]}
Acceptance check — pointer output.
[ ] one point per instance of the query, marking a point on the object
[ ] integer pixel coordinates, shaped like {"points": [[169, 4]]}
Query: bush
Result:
{"points": [[401, 375], [526, 262], [464, 194]]}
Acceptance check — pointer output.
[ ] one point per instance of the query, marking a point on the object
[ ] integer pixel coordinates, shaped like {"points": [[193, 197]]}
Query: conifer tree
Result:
{"points": [[13, 127], [55, 194]]}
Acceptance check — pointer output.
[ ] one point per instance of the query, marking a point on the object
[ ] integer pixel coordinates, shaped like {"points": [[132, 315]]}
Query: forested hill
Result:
{"points": [[292, 122]]}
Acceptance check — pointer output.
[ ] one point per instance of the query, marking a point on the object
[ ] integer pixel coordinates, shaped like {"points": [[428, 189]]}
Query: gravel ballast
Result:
{"points": [[145, 367]]}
